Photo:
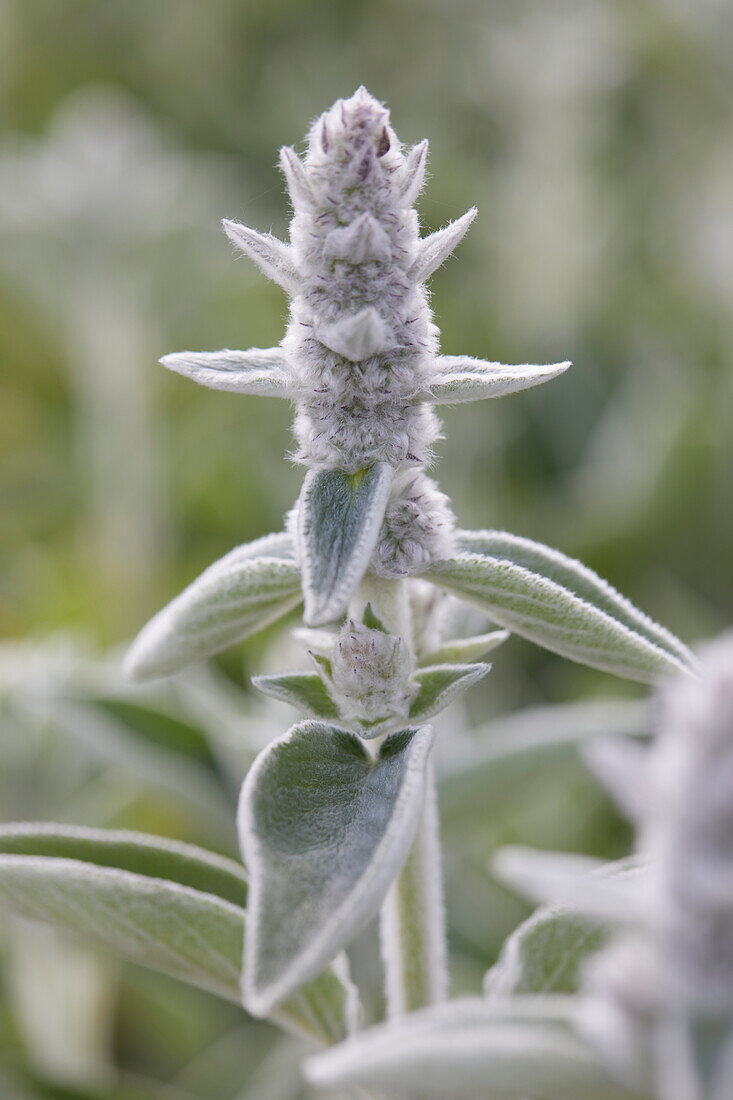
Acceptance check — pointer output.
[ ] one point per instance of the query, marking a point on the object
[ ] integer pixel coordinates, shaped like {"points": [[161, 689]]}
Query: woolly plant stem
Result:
{"points": [[412, 921]]}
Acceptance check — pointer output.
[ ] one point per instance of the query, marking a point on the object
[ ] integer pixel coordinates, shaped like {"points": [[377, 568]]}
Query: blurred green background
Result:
{"points": [[597, 141]]}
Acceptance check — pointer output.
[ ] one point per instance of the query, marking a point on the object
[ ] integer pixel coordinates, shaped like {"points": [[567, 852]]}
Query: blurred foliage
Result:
{"points": [[596, 140]]}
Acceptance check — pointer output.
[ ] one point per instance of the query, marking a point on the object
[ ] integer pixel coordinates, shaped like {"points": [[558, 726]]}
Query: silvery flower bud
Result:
{"points": [[417, 528], [371, 673]]}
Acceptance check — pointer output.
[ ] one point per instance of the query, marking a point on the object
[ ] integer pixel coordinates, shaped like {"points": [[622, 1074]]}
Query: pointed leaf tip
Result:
{"points": [[258, 371], [439, 685], [460, 378], [560, 604], [296, 177], [413, 177], [434, 249], [339, 519], [274, 258], [249, 588], [313, 794]]}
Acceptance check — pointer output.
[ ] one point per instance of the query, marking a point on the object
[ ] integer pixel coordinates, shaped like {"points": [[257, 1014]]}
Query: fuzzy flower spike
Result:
{"points": [[337, 818], [360, 363], [360, 356]]}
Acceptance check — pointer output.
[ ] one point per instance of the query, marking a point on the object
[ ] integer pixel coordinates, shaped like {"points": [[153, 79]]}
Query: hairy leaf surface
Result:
{"points": [[248, 588], [261, 371], [171, 907], [502, 1049], [560, 604], [546, 953], [441, 684], [461, 378], [324, 828], [139, 853], [304, 690], [339, 517]]}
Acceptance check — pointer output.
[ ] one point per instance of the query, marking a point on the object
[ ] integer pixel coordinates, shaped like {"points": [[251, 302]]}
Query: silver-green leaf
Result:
{"points": [[439, 685], [472, 1049], [560, 604], [252, 586], [460, 378], [189, 934], [304, 690], [124, 850], [339, 517], [547, 953], [324, 828], [261, 371], [460, 651], [122, 891]]}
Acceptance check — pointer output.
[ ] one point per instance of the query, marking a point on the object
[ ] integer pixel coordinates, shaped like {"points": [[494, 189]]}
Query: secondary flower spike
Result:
{"points": [[360, 356]]}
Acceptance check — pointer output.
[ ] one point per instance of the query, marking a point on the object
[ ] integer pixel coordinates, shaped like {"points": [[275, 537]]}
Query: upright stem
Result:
{"points": [[412, 921]]}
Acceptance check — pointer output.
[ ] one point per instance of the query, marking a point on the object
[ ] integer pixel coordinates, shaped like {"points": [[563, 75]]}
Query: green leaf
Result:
{"points": [[461, 378], [461, 651], [185, 933], [339, 517], [559, 604], [155, 857], [547, 953], [304, 690], [169, 906], [370, 619], [498, 1049], [243, 592], [324, 828], [440, 684]]}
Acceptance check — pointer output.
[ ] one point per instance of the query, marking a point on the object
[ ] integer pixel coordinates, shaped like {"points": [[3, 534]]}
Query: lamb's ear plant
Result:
{"points": [[337, 817]]}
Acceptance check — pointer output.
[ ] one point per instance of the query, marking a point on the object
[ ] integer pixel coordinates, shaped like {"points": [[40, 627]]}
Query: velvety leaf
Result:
{"points": [[140, 853], [472, 1049], [440, 684], [324, 828], [274, 258], [546, 953], [434, 249], [461, 651], [186, 933], [248, 588], [460, 378], [339, 518], [370, 619], [559, 604], [182, 932], [261, 371], [304, 690]]}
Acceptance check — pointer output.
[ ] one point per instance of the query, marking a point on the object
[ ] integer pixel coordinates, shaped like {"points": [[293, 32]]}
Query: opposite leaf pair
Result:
{"points": [[367, 679], [528, 588]]}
